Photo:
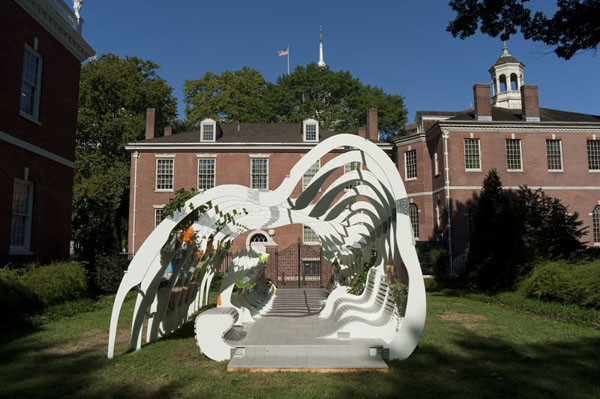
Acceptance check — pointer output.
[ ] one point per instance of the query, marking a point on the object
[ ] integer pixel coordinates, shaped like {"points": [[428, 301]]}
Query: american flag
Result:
{"points": [[281, 53]]}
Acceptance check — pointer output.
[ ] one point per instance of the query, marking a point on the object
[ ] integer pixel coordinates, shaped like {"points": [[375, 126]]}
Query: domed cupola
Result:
{"points": [[507, 79]]}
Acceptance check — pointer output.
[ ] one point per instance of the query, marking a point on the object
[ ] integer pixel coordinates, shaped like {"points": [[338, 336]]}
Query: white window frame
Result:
{"points": [[560, 149], [34, 116], [158, 209], [596, 225], [214, 174], [508, 168], [593, 155], [305, 180], [406, 169], [305, 124], [310, 240], [467, 169], [256, 158], [348, 167], [24, 249], [413, 207], [436, 161], [203, 125], [164, 158]]}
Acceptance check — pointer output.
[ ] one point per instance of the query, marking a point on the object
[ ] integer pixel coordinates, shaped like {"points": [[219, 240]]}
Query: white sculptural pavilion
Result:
{"points": [[172, 280]]}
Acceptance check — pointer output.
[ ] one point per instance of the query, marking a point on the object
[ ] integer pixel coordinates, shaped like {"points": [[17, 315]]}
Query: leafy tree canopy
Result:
{"points": [[336, 99], [575, 26], [113, 96]]}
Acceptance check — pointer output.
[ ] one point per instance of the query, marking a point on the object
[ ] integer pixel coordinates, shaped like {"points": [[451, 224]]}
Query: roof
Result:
{"points": [[247, 133], [500, 114], [506, 59]]}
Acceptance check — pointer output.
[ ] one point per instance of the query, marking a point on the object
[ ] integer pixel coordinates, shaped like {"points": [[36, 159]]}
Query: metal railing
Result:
{"points": [[68, 15]]}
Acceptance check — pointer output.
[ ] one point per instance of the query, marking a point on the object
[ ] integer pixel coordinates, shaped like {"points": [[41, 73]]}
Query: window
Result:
{"points": [[410, 164], [20, 226], [596, 224], [31, 83], [472, 154], [413, 212], [206, 173], [158, 215], [312, 267], [208, 130], [513, 154], [164, 174], [593, 151], [310, 173], [436, 161], [554, 151], [350, 167], [309, 236], [311, 132], [258, 237], [259, 173]]}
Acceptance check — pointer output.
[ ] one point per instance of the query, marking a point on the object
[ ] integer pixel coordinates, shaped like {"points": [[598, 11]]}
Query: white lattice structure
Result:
{"points": [[172, 283]]}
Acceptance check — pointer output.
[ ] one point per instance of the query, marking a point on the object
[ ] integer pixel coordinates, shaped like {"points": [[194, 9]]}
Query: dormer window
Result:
{"points": [[310, 129], [208, 130]]}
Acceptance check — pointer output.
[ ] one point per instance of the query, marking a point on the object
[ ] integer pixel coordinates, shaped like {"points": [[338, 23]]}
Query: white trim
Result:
{"points": [[259, 155], [266, 159], [164, 190], [307, 122], [206, 155], [227, 147], [29, 117], [546, 188], [164, 155], [214, 180], [208, 122], [36, 150]]}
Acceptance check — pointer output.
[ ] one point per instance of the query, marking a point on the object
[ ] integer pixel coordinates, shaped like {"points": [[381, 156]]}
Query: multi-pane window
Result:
{"points": [[312, 267], [472, 154], [596, 224], [554, 152], [208, 132], [259, 173], [310, 173], [206, 173], [258, 237], [436, 161], [350, 167], [413, 212], [309, 235], [164, 173], [310, 132], [158, 215], [593, 151], [20, 226], [410, 164], [31, 82], [513, 154]]}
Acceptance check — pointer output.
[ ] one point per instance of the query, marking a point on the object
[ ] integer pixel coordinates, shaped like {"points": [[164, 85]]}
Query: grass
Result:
{"points": [[470, 349]]}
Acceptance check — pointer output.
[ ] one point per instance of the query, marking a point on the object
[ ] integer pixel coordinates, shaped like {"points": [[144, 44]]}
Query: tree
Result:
{"points": [[113, 96], [336, 99], [575, 26], [495, 244], [236, 96]]}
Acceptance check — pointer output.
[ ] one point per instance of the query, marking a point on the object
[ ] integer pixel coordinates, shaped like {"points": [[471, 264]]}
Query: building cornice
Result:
{"points": [[250, 147], [412, 139], [44, 13], [520, 126]]}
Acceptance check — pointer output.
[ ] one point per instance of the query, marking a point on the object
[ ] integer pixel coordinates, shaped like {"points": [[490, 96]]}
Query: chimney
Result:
{"points": [[530, 105], [168, 131], [481, 98], [362, 132], [372, 127], [150, 123]]}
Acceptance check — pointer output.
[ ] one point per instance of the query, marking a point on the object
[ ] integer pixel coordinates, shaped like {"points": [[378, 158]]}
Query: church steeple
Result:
{"points": [[507, 79], [321, 63]]}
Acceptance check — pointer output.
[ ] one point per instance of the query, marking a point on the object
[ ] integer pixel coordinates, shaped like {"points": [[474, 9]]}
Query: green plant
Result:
{"points": [[109, 272], [439, 261], [17, 302], [56, 282], [398, 292]]}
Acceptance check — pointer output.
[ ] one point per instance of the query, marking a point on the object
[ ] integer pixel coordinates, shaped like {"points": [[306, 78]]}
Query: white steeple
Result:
{"points": [[321, 63], [507, 79]]}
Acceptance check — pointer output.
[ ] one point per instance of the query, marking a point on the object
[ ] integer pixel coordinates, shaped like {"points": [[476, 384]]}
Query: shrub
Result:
{"points": [[109, 272], [56, 282], [17, 302], [439, 261], [565, 282], [399, 295]]}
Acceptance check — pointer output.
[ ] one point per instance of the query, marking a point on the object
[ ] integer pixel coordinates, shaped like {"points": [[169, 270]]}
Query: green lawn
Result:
{"points": [[470, 349]]}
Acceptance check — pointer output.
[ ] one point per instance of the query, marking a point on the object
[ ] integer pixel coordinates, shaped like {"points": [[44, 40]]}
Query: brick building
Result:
{"points": [[257, 155], [444, 162], [41, 49]]}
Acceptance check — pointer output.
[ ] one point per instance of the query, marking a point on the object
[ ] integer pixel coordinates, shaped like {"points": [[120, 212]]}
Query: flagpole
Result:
{"points": [[288, 54]]}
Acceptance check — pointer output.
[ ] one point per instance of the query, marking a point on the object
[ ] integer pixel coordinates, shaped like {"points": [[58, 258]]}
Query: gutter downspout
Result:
{"points": [[136, 155], [448, 202]]}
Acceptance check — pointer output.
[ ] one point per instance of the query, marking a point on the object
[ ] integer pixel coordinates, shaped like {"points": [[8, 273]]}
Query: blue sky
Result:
{"points": [[400, 46]]}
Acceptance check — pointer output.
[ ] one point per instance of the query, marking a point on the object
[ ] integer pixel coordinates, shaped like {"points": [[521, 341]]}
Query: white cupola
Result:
{"points": [[507, 79]]}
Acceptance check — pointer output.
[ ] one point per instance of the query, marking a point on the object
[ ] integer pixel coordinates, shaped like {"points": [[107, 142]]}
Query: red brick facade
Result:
{"points": [[40, 152]]}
